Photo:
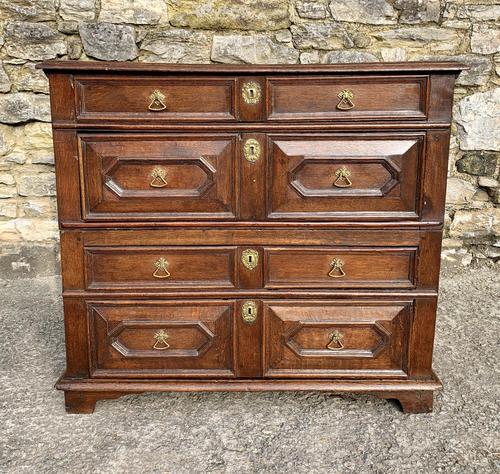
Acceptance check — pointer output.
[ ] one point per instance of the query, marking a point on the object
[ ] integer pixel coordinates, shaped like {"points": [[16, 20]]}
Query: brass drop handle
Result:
{"points": [[342, 178], [161, 340], [157, 101], [158, 175], [161, 268], [345, 102], [335, 343], [337, 270]]}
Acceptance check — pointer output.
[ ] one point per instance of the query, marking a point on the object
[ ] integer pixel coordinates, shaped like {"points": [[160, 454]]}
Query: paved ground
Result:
{"points": [[251, 433]]}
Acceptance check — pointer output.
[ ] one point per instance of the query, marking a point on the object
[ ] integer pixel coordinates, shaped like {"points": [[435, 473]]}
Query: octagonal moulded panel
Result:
{"points": [[157, 177], [125, 338], [360, 339], [132, 177], [369, 176]]}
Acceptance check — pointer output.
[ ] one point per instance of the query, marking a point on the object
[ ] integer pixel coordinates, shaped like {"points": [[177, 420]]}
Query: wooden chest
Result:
{"points": [[250, 227]]}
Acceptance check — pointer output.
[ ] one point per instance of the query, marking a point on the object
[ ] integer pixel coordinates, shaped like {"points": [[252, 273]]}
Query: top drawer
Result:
{"points": [[249, 99], [348, 98], [152, 98]]}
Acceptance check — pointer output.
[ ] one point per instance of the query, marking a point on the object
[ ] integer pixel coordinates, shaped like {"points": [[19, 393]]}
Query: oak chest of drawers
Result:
{"points": [[250, 227]]}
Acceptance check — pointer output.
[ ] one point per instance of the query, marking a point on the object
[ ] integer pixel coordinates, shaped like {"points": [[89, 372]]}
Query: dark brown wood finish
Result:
{"points": [[124, 98], [383, 97], [228, 227]]}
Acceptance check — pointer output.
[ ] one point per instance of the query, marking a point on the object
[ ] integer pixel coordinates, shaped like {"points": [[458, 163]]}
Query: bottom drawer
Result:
{"points": [[318, 338], [255, 338], [161, 339]]}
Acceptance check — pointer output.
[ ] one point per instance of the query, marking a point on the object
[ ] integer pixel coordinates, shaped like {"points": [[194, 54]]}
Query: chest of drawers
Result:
{"points": [[247, 228]]}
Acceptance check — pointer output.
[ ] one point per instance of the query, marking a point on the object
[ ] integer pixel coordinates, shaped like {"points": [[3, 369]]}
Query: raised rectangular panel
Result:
{"points": [[375, 98], [118, 98], [338, 267], [160, 268]]}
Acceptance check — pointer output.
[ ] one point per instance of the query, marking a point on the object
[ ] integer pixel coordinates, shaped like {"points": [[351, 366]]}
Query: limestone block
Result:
{"points": [[108, 41], [318, 35], [230, 14], [138, 12], [485, 40], [79, 10], [35, 10], [256, 49], [373, 12], [459, 191], [35, 41], [478, 117], [24, 106], [176, 45], [41, 184]]}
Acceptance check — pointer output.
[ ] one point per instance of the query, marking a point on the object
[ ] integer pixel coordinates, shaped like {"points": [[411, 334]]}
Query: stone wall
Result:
{"points": [[243, 31]]}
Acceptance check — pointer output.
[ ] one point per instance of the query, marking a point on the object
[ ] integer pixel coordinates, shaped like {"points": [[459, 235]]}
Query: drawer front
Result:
{"points": [[163, 339], [345, 177], [325, 267], [157, 268], [348, 98], [157, 177], [340, 339], [152, 99]]}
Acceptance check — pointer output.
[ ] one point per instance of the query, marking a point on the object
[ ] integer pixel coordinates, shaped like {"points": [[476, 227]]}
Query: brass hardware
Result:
{"points": [[158, 175], [250, 258], [336, 270], [157, 99], [345, 102], [161, 268], [251, 150], [335, 343], [249, 312], [342, 178], [161, 340], [251, 92]]}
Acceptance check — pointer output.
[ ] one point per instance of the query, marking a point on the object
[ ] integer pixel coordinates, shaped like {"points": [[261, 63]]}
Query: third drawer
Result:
{"points": [[159, 268]]}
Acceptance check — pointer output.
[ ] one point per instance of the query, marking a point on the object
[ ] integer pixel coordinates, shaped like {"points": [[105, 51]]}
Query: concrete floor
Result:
{"points": [[251, 433]]}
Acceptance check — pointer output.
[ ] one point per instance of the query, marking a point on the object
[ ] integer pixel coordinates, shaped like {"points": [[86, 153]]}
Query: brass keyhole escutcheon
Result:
{"points": [[337, 270], [158, 175], [161, 340], [342, 178], [251, 150], [250, 258], [251, 92], [345, 102], [161, 268], [335, 343], [249, 312], [157, 101]]}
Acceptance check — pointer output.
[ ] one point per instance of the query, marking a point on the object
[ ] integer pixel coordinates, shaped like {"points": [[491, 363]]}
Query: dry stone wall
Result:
{"points": [[254, 32]]}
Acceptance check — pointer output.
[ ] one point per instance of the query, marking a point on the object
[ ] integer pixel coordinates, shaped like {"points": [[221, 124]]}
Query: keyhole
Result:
{"points": [[251, 93], [250, 259], [249, 311], [252, 149]]}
